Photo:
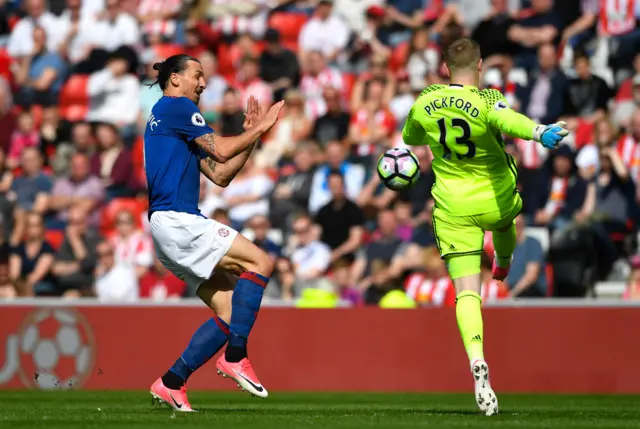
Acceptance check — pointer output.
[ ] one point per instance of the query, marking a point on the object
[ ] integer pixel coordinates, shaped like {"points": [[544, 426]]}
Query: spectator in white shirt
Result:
{"points": [[75, 29], [210, 198], [353, 174], [21, 41], [211, 98], [114, 95], [132, 246], [324, 32], [114, 282], [158, 19], [354, 12], [232, 17], [316, 79], [250, 84], [115, 28], [248, 194], [92, 8], [311, 258]]}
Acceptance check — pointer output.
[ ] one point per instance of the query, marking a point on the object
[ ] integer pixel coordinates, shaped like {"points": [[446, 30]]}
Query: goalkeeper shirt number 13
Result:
{"points": [[463, 127]]}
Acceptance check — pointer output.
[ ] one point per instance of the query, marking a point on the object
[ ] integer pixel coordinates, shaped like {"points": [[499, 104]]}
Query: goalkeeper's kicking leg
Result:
{"points": [[465, 273], [504, 243]]}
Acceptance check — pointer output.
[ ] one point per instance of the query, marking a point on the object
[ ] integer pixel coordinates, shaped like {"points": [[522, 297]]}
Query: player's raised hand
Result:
{"points": [[253, 115], [551, 135], [271, 117]]}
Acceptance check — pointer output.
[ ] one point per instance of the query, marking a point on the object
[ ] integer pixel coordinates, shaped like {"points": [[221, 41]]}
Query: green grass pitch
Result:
{"points": [[120, 410]]}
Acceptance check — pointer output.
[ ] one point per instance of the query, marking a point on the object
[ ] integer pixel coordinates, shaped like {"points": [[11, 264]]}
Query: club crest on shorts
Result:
{"points": [[197, 120], [224, 232]]}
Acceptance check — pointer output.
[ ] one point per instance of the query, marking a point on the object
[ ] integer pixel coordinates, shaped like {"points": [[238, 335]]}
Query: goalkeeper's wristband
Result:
{"points": [[537, 132]]}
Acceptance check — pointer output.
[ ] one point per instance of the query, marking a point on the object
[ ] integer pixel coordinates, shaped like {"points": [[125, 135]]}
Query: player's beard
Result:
{"points": [[196, 98]]}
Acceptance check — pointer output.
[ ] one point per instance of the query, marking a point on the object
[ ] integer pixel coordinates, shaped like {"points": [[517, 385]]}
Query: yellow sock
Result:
{"points": [[469, 318]]}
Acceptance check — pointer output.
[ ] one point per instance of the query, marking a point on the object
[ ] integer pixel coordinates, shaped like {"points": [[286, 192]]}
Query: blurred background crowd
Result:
{"points": [[75, 97]]}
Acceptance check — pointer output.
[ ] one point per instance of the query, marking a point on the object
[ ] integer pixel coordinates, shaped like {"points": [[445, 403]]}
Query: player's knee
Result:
{"points": [[262, 264], [224, 314]]}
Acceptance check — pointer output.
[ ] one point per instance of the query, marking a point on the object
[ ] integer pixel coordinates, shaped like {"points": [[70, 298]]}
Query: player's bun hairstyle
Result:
{"points": [[175, 64], [463, 54]]}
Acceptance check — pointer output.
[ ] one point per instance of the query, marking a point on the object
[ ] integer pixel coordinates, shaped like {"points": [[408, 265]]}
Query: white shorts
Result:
{"points": [[190, 246]]}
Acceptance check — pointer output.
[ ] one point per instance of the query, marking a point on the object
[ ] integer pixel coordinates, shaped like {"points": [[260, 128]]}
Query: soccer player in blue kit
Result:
{"points": [[178, 147]]}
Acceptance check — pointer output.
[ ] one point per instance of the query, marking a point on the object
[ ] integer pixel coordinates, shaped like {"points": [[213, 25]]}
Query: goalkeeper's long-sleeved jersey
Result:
{"points": [[463, 126]]}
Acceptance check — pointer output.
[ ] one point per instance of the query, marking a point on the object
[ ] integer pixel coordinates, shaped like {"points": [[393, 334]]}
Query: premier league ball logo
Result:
{"points": [[56, 349]]}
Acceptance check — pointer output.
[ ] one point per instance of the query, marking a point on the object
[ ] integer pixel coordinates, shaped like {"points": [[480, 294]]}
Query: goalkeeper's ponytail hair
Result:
{"points": [[174, 64]]}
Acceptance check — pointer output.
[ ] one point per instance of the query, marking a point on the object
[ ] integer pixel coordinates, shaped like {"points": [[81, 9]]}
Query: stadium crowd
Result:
{"points": [[75, 98]]}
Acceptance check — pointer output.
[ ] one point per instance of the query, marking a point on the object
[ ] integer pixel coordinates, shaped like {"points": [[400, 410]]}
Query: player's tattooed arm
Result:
{"points": [[208, 143], [208, 168], [211, 164], [223, 149], [223, 174]]}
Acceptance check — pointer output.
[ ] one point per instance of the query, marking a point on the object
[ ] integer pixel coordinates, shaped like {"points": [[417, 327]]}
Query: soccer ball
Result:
{"points": [[56, 349], [398, 169]]}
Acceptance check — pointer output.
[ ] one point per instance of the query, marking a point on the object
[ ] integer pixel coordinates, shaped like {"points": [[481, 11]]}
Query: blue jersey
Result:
{"points": [[171, 156]]}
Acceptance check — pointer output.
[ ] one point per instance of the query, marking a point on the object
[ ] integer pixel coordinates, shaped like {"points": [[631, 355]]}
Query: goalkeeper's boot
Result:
{"points": [[485, 397], [242, 373], [499, 273], [176, 399]]}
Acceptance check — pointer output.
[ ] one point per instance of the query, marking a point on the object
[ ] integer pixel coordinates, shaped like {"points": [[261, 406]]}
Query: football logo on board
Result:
{"points": [[56, 349], [198, 120]]}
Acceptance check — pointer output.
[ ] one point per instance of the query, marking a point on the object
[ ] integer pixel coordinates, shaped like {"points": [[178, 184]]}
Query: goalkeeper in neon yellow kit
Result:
{"points": [[475, 187]]}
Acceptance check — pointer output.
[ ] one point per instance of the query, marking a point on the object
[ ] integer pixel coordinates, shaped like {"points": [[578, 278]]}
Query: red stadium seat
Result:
{"points": [[12, 21], [74, 98], [166, 50], [549, 274], [399, 56], [288, 24], [109, 212], [349, 80], [292, 45], [74, 91], [75, 112], [5, 65], [54, 238], [141, 176], [37, 112], [225, 63], [137, 152], [236, 54]]}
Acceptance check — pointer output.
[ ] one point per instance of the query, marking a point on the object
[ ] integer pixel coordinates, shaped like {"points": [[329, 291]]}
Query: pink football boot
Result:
{"points": [[242, 373], [176, 399], [499, 273]]}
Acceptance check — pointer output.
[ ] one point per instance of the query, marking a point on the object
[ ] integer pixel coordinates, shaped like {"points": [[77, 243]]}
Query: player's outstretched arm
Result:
{"points": [[223, 174], [515, 124], [222, 149]]}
